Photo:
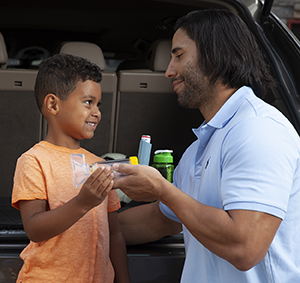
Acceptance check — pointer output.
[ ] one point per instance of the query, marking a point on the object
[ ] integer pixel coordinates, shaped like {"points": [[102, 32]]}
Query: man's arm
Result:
{"points": [[118, 252], [146, 223], [41, 224], [241, 237]]}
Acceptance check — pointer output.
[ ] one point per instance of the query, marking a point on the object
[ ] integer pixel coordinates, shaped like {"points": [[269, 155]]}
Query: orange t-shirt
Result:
{"points": [[81, 253]]}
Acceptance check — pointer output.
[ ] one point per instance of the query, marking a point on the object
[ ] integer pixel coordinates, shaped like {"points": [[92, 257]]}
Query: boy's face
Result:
{"points": [[79, 115]]}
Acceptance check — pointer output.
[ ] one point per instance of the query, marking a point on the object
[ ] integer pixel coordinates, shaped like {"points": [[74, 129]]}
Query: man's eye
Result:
{"points": [[178, 56]]}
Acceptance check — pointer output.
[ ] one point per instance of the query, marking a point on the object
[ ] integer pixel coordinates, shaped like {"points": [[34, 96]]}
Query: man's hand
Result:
{"points": [[141, 183]]}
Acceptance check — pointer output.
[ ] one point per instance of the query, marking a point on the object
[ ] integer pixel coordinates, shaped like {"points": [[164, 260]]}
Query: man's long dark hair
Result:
{"points": [[227, 50]]}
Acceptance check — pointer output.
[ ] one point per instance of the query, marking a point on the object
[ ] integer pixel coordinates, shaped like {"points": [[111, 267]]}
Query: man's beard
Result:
{"points": [[197, 90]]}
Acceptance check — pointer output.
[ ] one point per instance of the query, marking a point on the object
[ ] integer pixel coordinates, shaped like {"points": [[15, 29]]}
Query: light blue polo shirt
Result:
{"points": [[245, 157]]}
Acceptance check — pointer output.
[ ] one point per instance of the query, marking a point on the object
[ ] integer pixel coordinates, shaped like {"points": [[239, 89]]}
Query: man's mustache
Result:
{"points": [[179, 78]]}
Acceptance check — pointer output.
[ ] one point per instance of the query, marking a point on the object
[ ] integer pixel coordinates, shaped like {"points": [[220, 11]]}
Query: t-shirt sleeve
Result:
{"points": [[258, 167], [29, 181], [113, 201]]}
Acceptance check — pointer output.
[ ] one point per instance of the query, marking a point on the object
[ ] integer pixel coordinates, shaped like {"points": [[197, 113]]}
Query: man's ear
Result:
{"points": [[51, 103]]}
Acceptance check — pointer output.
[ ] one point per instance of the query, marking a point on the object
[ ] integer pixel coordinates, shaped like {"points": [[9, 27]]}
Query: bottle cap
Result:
{"points": [[163, 156], [133, 160], [146, 138]]}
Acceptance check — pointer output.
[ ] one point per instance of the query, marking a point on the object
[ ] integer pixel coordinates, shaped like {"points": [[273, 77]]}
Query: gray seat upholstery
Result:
{"points": [[21, 128], [154, 60], [86, 50], [147, 104], [159, 55], [3, 52]]}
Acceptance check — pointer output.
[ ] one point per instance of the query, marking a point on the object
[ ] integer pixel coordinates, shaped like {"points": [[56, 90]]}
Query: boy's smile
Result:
{"points": [[77, 117]]}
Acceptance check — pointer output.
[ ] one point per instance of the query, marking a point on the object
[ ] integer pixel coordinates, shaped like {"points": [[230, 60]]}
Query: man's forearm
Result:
{"points": [[241, 237], [145, 223]]}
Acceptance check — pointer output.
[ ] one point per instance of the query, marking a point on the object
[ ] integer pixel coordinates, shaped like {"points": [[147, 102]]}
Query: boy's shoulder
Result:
{"points": [[36, 149], [91, 157], [45, 151]]}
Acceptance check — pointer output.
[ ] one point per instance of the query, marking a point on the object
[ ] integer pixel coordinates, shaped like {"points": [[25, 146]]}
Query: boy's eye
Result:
{"points": [[88, 102]]}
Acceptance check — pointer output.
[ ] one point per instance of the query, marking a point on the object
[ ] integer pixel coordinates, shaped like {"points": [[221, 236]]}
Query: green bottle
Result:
{"points": [[163, 162]]}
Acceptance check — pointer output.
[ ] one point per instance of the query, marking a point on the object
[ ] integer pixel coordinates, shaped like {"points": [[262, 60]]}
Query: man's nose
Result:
{"points": [[170, 72]]}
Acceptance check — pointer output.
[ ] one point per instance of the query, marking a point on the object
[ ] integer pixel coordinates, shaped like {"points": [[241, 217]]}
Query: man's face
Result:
{"points": [[191, 86]]}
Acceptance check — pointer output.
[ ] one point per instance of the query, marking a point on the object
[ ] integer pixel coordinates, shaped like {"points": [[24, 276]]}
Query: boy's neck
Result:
{"points": [[70, 144]]}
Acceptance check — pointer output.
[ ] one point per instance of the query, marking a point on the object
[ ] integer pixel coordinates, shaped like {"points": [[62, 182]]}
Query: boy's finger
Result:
{"points": [[106, 182], [102, 170], [102, 177]]}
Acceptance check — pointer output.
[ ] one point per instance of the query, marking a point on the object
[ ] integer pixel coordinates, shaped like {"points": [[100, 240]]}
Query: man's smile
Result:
{"points": [[176, 82]]}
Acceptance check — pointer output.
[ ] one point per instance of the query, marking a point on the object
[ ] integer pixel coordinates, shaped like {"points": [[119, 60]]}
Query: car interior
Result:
{"points": [[131, 42], [137, 98]]}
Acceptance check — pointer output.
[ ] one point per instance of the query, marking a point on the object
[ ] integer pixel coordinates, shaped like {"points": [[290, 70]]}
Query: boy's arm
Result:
{"points": [[118, 252], [41, 224]]}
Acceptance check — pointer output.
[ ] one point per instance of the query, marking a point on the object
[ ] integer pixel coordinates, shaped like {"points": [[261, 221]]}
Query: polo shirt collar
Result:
{"points": [[230, 107], [226, 112]]}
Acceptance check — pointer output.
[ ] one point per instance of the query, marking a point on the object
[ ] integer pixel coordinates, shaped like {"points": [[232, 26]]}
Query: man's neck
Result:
{"points": [[222, 94]]}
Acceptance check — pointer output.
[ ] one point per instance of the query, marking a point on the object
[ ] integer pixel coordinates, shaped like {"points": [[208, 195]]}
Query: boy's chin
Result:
{"points": [[86, 137]]}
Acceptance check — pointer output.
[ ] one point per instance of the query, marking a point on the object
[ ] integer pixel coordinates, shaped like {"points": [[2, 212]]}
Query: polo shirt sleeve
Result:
{"points": [[258, 164], [165, 210]]}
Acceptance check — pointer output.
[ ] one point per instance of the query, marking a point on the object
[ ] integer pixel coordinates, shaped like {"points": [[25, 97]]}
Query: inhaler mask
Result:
{"points": [[81, 171]]}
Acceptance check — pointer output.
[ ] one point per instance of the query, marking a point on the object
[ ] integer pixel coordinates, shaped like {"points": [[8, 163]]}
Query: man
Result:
{"points": [[236, 189]]}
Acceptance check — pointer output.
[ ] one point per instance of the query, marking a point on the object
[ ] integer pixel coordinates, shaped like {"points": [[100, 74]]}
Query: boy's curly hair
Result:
{"points": [[60, 74]]}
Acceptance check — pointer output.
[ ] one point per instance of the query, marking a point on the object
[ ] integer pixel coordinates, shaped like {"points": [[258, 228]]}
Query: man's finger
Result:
{"points": [[124, 168]]}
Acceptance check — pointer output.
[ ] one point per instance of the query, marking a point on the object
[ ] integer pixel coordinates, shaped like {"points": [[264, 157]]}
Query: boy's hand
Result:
{"points": [[42, 224], [96, 188]]}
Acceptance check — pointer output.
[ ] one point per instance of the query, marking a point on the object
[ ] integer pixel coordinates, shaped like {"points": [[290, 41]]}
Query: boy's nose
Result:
{"points": [[96, 113]]}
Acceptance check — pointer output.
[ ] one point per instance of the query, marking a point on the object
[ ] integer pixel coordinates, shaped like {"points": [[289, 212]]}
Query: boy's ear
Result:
{"points": [[51, 103]]}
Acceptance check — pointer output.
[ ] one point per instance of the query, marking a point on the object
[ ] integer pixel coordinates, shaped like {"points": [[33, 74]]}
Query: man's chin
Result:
{"points": [[183, 104], [187, 105]]}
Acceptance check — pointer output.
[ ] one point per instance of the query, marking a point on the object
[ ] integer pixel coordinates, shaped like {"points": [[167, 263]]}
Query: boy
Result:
{"points": [[74, 233]]}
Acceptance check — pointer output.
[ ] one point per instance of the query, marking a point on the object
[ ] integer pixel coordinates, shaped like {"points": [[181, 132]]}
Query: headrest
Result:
{"points": [[159, 53], [86, 50], [3, 53]]}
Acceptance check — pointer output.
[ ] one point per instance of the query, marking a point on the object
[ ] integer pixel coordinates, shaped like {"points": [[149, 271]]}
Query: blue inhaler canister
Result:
{"points": [[144, 150]]}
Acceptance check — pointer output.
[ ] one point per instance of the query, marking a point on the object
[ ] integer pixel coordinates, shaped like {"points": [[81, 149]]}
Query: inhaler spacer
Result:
{"points": [[81, 171]]}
